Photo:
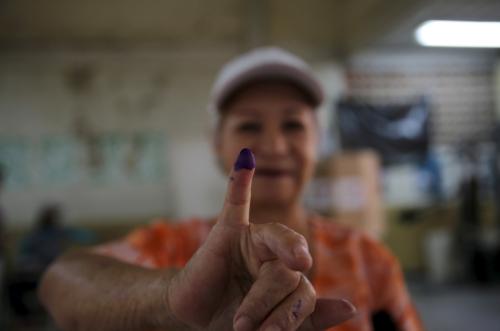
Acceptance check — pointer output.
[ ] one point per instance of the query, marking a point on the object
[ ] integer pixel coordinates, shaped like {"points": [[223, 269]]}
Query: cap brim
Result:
{"points": [[303, 79]]}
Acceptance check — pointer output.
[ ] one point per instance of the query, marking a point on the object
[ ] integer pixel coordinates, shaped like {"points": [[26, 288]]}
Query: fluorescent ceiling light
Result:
{"points": [[459, 34]]}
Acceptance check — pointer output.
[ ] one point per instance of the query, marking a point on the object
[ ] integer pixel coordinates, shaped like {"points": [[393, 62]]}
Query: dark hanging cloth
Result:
{"points": [[399, 132]]}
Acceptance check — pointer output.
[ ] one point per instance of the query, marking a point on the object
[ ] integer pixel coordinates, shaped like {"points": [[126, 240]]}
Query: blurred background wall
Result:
{"points": [[103, 109], [108, 134], [107, 114], [79, 80]]}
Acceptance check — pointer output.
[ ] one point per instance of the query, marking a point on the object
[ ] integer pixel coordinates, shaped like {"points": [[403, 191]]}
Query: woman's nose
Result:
{"points": [[273, 143]]}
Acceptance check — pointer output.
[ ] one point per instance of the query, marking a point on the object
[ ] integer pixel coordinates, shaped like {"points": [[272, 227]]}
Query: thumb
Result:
{"points": [[236, 208]]}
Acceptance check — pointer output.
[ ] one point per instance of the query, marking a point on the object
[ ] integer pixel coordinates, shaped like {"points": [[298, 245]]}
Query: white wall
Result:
{"points": [[332, 76], [77, 96], [458, 84]]}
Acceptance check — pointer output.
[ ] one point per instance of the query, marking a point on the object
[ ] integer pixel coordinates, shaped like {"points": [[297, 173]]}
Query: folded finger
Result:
{"points": [[328, 313], [294, 310], [273, 284], [275, 240]]}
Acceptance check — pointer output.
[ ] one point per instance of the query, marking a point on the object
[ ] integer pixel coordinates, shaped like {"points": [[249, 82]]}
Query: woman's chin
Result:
{"points": [[264, 193]]}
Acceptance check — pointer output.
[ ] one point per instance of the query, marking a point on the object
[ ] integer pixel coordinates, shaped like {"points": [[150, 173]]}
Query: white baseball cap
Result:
{"points": [[263, 64]]}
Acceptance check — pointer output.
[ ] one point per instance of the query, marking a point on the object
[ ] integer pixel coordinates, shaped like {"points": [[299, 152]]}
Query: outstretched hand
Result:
{"points": [[250, 276]]}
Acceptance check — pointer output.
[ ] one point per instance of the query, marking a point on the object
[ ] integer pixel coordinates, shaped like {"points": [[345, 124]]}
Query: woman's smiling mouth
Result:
{"points": [[272, 172]]}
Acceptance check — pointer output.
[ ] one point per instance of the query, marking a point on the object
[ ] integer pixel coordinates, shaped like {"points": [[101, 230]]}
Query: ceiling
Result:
{"points": [[338, 26]]}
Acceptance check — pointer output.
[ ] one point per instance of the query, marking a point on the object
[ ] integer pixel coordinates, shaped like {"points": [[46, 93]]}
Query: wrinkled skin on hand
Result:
{"points": [[250, 276]]}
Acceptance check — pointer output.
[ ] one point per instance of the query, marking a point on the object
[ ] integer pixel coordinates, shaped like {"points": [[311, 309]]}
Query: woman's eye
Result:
{"points": [[249, 127], [293, 126]]}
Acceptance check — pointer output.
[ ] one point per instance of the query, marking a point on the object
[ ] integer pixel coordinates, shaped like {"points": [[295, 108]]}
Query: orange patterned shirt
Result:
{"points": [[348, 264]]}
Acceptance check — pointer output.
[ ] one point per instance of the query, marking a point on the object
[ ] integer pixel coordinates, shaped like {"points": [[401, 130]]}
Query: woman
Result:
{"points": [[254, 268]]}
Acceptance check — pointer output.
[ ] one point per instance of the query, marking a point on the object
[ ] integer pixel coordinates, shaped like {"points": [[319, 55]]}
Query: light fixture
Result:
{"points": [[459, 34]]}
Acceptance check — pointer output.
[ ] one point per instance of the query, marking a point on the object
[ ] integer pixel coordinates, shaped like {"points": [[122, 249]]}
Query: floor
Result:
{"points": [[449, 308], [458, 308]]}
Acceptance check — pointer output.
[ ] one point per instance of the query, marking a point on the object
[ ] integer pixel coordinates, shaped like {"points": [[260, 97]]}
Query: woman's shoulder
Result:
{"points": [[160, 243], [330, 231], [160, 229]]}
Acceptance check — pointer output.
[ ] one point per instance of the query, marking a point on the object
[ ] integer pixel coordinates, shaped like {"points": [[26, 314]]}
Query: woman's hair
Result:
{"points": [[228, 101], [262, 65], [230, 98]]}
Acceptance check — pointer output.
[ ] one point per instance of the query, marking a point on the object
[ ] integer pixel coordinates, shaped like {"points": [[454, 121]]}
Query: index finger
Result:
{"points": [[236, 208]]}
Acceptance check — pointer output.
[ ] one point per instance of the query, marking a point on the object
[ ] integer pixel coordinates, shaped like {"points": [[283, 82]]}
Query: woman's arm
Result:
{"points": [[391, 300], [86, 291], [244, 277]]}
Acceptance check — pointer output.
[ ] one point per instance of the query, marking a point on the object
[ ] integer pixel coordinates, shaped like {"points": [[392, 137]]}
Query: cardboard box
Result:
{"points": [[348, 188]]}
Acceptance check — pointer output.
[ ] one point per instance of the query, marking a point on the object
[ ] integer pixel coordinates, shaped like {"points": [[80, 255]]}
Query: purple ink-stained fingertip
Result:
{"points": [[245, 160]]}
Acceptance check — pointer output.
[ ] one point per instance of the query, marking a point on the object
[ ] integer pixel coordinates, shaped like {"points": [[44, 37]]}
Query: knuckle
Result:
{"points": [[296, 312], [290, 237], [255, 310], [309, 287], [311, 296], [282, 275], [303, 307], [290, 279], [302, 239], [310, 305], [273, 229], [308, 298], [293, 239], [278, 227], [290, 320], [286, 321]]}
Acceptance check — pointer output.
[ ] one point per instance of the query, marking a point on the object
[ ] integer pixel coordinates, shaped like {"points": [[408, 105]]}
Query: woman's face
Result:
{"points": [[275, 121]]}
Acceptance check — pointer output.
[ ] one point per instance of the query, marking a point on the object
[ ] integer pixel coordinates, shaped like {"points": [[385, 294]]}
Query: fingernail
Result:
{"points": [[243, 323], [273, 328], [350, 306], [245, 160]]}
